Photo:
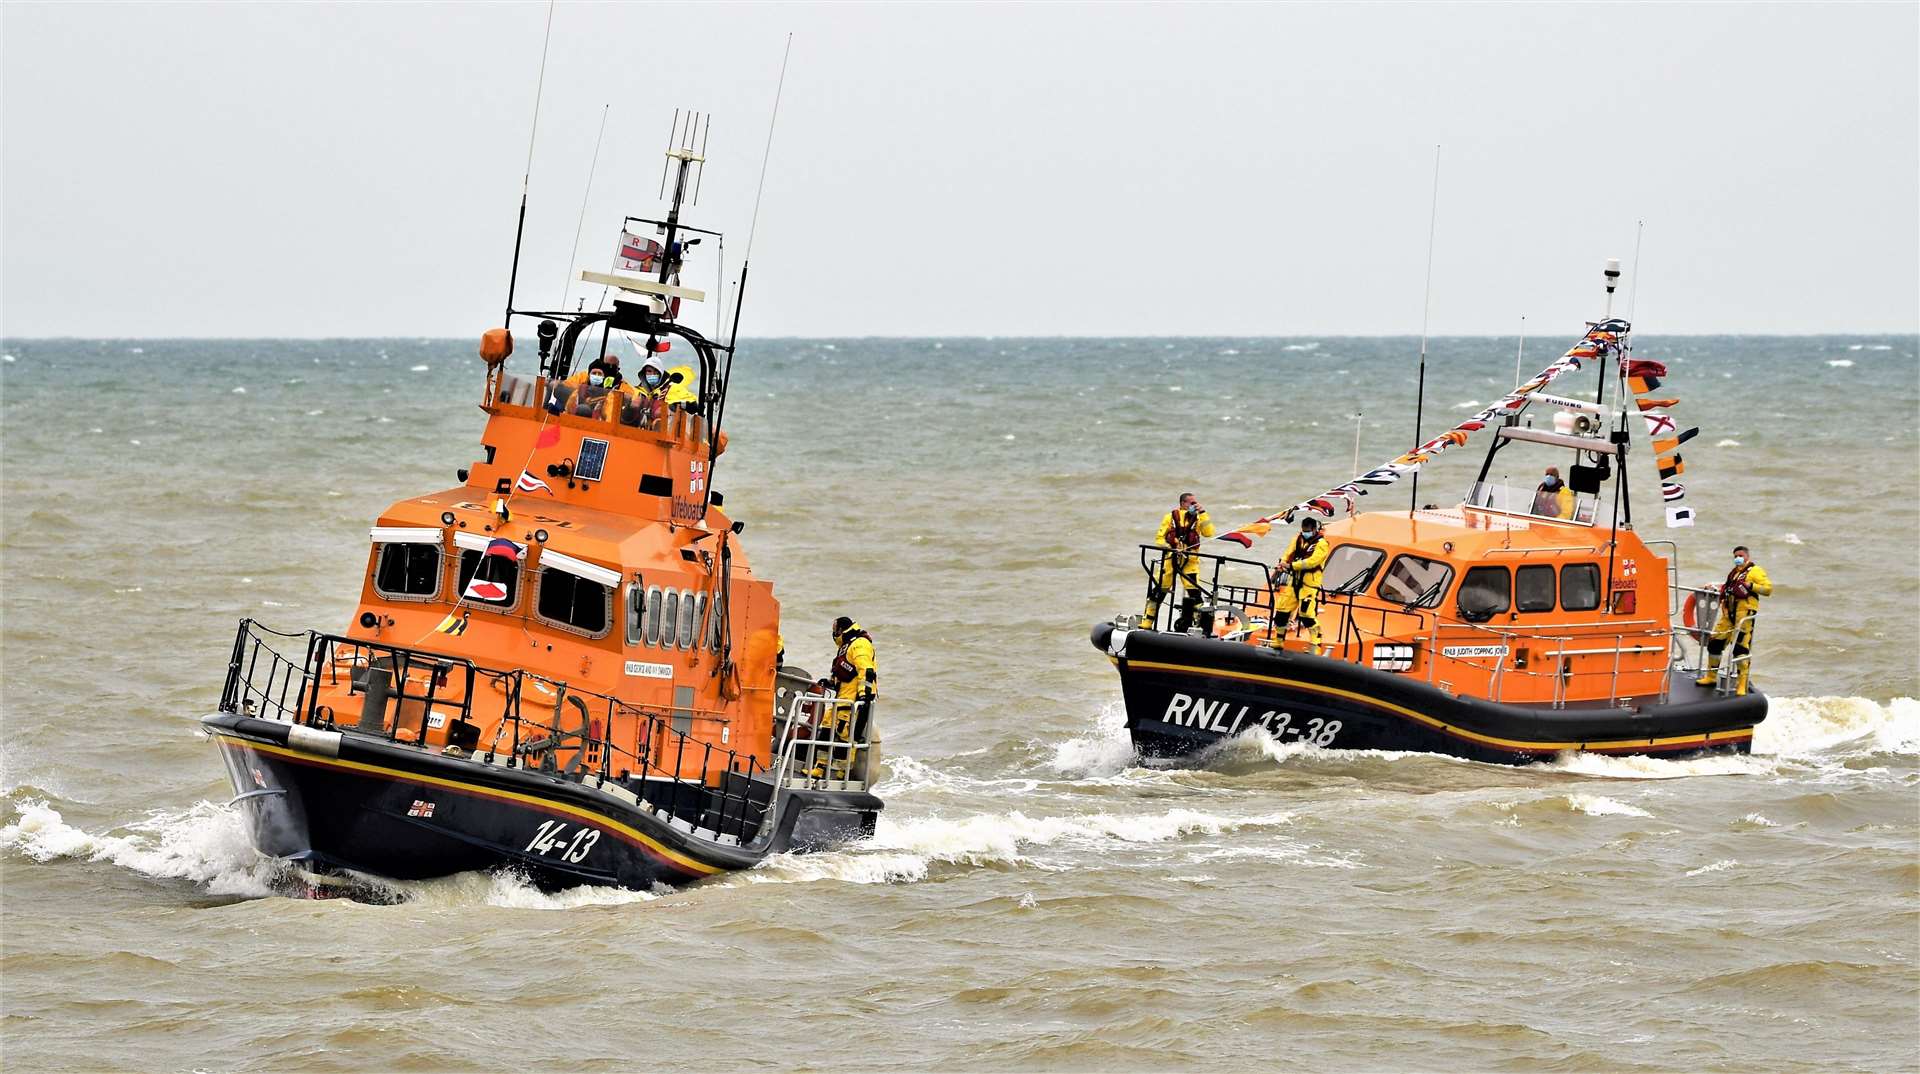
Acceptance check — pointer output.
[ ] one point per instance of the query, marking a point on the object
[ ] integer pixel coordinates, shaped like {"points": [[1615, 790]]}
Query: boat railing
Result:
{"points": [[1501, 498], [1702, 608], [542, 725], [1246, 592], [825, 743]]}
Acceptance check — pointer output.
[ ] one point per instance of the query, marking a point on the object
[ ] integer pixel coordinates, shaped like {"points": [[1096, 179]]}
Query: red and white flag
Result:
{"points": [[1658, 424], [530, 483], [637, 253], [481, 589]]}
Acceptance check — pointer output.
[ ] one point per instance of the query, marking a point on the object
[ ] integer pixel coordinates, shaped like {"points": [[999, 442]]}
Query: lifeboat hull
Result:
{"points": [[333, 801], [1184, 694]]}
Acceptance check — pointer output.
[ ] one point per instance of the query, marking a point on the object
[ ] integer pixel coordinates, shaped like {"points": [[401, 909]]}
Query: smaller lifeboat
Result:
{"points": [[1520, 623], [564, 666]]}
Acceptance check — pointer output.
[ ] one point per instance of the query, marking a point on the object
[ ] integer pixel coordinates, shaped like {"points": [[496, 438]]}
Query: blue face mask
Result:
{"points": [[1738, 559], [595, 379]]}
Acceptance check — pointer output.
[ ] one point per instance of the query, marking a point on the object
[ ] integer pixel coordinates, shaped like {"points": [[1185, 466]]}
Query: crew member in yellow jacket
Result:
{"points": [[1740, 597], [1307, 562], [855, 681], [1553, 499], [1181, 530]]}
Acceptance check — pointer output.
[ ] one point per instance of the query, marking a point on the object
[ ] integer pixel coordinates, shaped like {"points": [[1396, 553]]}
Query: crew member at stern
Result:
{"points": [[1307, 562], [855, 681], [1740, 597], [1181, 530]]}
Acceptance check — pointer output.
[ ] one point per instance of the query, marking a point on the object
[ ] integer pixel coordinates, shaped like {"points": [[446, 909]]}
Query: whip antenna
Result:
{"points": [[753, 225], [1633, 285], [526, 179], [1426, 309], [591, 168], [1521, 352]]}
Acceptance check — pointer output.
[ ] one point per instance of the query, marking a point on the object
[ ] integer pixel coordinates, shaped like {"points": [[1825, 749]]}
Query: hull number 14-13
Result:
{"points": [[550, 838]]}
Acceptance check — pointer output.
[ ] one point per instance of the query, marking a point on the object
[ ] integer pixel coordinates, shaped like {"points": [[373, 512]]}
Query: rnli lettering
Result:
{"points": [[1474, 650], [1220, 717], [644, 670]]}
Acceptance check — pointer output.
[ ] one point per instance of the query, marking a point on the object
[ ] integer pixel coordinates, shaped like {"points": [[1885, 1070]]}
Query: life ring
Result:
{"points": [[1687, 612]]}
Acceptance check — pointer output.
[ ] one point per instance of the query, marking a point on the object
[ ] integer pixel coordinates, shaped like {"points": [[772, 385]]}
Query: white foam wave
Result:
{"points": [[1718, 866], [1609, 767], [1791, 538], [1594, 805], [904, 851], [1759, 821], [1802, 726], [1841, 363], [1301, 347], [204, 843], [419, 369], [1107, 752], [1728, 442]]}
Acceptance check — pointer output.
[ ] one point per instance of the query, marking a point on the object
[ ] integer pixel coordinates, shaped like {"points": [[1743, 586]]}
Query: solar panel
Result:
{"points": [[592, 461]]}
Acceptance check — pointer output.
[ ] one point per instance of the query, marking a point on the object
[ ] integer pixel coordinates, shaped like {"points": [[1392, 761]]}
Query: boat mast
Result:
{"points": [[1426, 309], [526, 178]]}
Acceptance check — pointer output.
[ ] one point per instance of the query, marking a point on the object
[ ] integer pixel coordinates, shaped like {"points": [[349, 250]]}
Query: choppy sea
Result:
{"points": [[1032, 899]]}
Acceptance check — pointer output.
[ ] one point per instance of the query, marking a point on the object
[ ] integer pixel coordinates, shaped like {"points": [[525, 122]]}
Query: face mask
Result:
{"points": [[653, 380], [1550, 481], [594, 379], [1739, 559]]}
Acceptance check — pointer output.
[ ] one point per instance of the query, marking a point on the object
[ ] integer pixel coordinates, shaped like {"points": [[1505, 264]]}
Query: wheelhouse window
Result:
{"points": [[1580, 587], [669, 618], [499, 579], [1350, 568], [636, 613], [1533, 588], [690, 608], [1485, 593], [1417, 581], [653, 615], [407, 571], [579, 604]]}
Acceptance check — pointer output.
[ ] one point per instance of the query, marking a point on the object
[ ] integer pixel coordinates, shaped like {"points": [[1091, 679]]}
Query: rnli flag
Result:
{"points": [[1642, 385], [500, 509], [548, 437], [1672, 466], [1679, 516], [636, 253], [454, 625], [505, 549], [1672, 490], [1641, 367], [530, 483]]}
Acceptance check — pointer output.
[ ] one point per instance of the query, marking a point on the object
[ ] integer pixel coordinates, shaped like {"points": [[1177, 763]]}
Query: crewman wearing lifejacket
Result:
{"points": [[1553, 499], [1740, 597], [584, 393], [1181, 530], [1307, 562], [856, 681], [648, 402]]}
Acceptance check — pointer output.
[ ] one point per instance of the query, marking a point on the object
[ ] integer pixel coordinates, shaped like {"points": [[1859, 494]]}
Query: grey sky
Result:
{"points": [[285, 170]]}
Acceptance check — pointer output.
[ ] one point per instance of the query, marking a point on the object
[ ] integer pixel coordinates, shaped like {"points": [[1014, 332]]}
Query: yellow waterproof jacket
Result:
{"points": [[854, 670], [684, 389], [1175, 532], [1553, 503], [1758, 585], [1308, 562]]}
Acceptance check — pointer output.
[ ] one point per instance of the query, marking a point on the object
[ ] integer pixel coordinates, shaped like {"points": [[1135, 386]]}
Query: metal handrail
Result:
{"points": [[845, 754], [663, 754]]}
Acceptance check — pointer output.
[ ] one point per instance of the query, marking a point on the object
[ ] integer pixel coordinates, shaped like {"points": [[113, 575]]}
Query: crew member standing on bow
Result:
{"points": [[1181, 530], [855, 681], [1307, 562], [1740, 597]]}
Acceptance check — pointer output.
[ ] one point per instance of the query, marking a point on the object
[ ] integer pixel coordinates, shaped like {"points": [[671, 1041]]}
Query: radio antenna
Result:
{"points": [[526, 179], [1633, 285], [753, 225], [1426, 310], [1521, 352], [591, 168]]}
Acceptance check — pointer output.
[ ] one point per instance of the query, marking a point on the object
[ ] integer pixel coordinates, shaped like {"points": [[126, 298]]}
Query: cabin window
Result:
{"points": [[653, 615], [499, 577], [1485, 593], [1417, 581], [1350, 568], [408, 571], [575, 603], [688, 615], [1533, 588], [669, 618], [636, 613], [698, 636], [1580, 587]]}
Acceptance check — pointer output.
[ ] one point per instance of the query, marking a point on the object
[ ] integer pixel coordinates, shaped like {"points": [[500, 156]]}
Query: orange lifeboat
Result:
{"points": [[566, 664], [1517, 624]]}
